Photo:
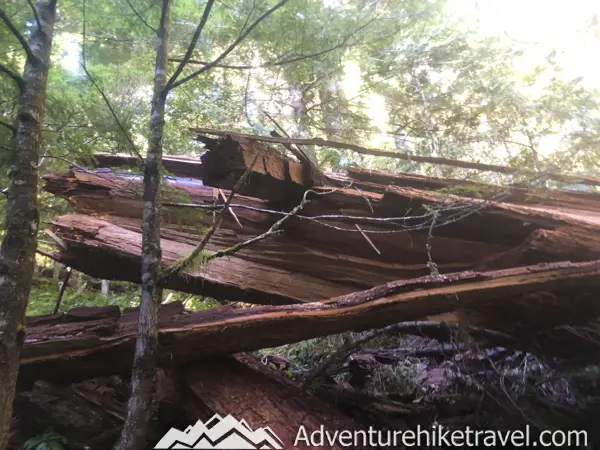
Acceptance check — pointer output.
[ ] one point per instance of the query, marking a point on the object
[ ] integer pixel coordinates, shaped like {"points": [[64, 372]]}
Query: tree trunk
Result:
{"points": [[17, 254], [135, 429], [523, 302]]}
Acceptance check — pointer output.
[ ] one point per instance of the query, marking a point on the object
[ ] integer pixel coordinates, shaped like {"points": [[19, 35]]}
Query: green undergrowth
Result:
{"points": [[44, 294]]}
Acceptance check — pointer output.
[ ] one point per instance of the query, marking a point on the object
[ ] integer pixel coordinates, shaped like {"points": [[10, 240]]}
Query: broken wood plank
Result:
{"points": [[274, 176], [525, 291]]}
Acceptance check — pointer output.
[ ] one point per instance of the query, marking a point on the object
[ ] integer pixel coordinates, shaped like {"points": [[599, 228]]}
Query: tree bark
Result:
{"points": [[521, 301], [17, 254], [135, 429]]}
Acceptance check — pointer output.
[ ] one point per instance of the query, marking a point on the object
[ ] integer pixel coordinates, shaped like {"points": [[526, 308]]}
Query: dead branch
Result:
{"points": [[570, 178], [191, 47], [62, 290], [343, 352], [273, 231], [103, 95]]}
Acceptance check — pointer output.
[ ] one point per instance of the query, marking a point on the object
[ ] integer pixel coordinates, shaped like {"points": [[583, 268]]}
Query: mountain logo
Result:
{"points": [[222, 433]]}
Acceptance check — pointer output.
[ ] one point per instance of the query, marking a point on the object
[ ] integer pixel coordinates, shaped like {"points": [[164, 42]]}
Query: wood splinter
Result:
{"points": [[367, 238], [222, 194]]}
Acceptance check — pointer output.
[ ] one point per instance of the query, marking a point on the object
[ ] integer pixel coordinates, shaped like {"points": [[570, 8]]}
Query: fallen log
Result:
{"points": [[316, 260], [565, 178], [575, 202], [572, 288], [246, 389], [90, 414], [111, 252]]}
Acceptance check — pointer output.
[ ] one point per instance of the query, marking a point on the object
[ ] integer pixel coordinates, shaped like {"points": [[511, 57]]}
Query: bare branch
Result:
{"points": [[16, 77], [63, 288], [139, 16], [113, 113], [273, 231], [569, 178], [343, 352], [369, 241], [19, 37], [35, 14], [235, 217], [232, 46], [191, 47]]}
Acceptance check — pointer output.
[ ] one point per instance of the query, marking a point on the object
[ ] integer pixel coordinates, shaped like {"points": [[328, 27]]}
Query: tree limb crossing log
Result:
{"points": [[582, 179], [74, 350]]}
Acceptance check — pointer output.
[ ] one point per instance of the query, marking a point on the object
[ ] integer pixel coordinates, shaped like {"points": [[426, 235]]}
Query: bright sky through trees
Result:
{"points": [[542, 25]]}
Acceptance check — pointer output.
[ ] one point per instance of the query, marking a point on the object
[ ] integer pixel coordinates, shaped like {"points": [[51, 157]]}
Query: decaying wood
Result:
{"points": [[65, 411], [274, 176], [244, 388], [582, 179], [91, 412], [181, 166], [316, 261], [571, 287]]}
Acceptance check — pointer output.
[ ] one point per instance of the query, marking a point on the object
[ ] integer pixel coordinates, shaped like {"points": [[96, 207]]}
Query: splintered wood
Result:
{"points": [[361, 231]]}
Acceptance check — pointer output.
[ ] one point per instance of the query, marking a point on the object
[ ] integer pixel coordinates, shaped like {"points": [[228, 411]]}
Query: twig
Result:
{"points": [[231, 47], [111, 109], [188, 260], [19, 37], [273, 231], [191, 47], [282, 62], [367, 238], [62, 244], [48, 255], [35, 14], [17, 78], [62, 290], [139, 16], [342, 353]]}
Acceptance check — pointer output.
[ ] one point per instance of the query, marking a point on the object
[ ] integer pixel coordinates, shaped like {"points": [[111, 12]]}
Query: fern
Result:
{"points": [[50, 440]]}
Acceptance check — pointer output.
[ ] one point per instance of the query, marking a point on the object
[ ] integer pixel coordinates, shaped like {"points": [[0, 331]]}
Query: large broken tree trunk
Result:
{"points": [[91, 413], [243, 387], [17, 254], [516, 299], [315, 260]]}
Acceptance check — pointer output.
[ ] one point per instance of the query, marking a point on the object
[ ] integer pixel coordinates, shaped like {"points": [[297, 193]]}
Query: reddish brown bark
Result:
{"points": [[515, 300], [316, 261], [246, 389]]}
